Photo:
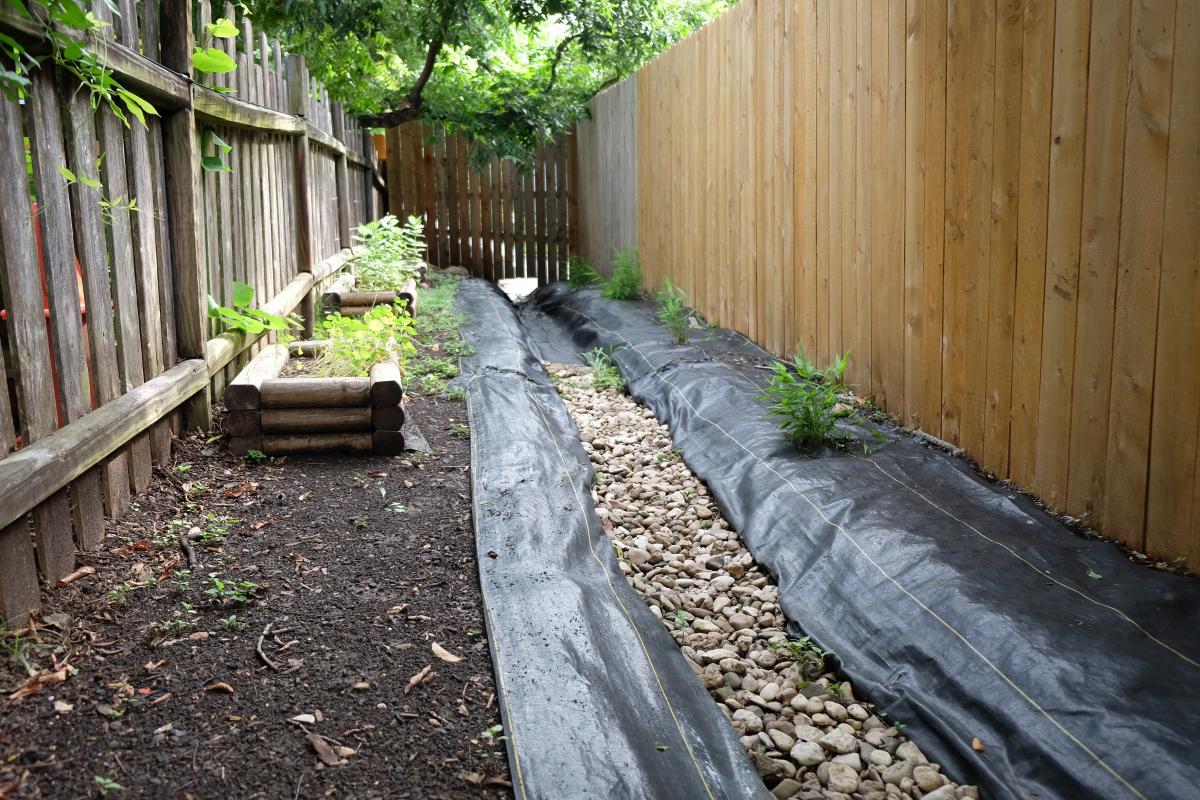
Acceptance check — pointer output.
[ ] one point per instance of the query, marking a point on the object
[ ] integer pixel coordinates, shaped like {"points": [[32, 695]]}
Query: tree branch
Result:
{"points": [[410, 104], [558, 54]]}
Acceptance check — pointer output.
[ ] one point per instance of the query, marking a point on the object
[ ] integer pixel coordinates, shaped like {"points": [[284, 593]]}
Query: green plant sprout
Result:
{"points": [[243, 317], [393, 255], [605, 374], [673, 313], [358, 343], [806, 400], [626, 280], [581, 273]]}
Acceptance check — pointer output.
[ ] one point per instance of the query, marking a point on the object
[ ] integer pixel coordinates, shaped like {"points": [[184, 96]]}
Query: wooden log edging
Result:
{"points": [[347, 301], [304, 414]]}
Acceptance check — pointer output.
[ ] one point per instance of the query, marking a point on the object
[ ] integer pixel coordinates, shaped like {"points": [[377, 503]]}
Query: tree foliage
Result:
{"points": [[505, 73]]}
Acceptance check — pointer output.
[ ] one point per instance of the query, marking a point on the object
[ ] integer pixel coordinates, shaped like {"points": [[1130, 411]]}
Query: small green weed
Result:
{"points": [[433, 373], [805, 400], [673, 312], [182, 468], [225, 592], [232, 623], [105, 784], [457, 348], [605, 374], [216, 528], [805, 653], [393, 253], [626, 280], [581, 273], [358, 343], [179, 621], [457, 393], [460, 430], [437, 314], [255, 456]]}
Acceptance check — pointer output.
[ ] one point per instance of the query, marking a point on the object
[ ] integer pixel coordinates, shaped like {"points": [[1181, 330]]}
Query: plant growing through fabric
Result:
{"points": [[394, 253], [358, 343], [581, 273], [243, 317], [806, 400], [673, 313], [626, 280], [605, 374]]}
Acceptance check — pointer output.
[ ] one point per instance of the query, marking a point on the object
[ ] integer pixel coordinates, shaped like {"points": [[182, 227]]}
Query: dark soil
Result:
{"points": [[358, 565]]}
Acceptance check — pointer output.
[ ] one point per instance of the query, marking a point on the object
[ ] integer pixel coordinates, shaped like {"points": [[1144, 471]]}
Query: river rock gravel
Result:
{"points": [[804, 728]]}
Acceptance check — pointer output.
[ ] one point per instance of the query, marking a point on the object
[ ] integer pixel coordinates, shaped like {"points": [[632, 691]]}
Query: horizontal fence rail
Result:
{"points": [[495, 220], [113, 236], [992, 205]]}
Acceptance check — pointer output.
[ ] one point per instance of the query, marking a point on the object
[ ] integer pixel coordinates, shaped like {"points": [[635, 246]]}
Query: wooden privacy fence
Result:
{"points": [[992, 204], [104, 333], [496, 220]]}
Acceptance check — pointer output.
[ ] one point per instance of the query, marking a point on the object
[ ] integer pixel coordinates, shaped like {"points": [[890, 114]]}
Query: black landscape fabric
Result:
{"points": [[955, 604], [596, 698]]}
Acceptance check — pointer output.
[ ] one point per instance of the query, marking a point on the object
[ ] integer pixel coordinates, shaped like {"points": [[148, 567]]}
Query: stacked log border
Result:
{"points": [[348, 302], [281, 416]]}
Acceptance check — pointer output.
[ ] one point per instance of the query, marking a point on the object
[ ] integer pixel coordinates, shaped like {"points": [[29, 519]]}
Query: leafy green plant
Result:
{"points": [[581, 273], [255, 456], [232, 623], [626, 280], [358, 343], [805, 653], [805, 400], [460, 430], [394, 253], [225, 592], [242, 316], [457, 393], [105, 784], [605, 374], [673, 313], [216, 528]]}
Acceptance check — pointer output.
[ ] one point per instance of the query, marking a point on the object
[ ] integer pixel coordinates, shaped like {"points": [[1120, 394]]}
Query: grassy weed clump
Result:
{"points": [[605, 374], [673, 313], [626, 280], [581, 273], [805, 399]]}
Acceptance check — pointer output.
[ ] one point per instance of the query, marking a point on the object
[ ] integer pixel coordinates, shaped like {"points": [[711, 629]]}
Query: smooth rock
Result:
{"points": [[838, 741], [807, 754], [842, 778]]}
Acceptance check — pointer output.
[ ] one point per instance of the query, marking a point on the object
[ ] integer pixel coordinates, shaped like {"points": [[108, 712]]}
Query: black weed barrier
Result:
{"points": [[956, 605], [596, 699]]}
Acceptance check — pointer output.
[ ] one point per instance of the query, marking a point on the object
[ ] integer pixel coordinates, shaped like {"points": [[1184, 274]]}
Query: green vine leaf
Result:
{"points": [[223, 28], [213, 60], [214, 164]]}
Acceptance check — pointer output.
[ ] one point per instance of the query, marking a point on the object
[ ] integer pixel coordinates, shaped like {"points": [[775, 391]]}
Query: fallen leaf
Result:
{"points": [[150, 666], [40, 681], [418, 678], [344, 751], [198, 635], [977, 745], [498, 782], [63, 707], [74, 576], [305, 496], [377, 474], [219, 686], [262, 523], [304, 719], [472, 777], [164, 728], [361, 686], [324, 751], [444, 654], [141, 544]]}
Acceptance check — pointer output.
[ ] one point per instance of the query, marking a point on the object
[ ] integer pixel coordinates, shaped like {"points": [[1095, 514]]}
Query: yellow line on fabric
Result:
{"points": [[495, 643], [1095, 756], [1033, 566], [608, 579]]}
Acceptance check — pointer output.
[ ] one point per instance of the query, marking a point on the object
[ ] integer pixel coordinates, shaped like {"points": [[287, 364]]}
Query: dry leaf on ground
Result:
{"points": [[444, 654]]}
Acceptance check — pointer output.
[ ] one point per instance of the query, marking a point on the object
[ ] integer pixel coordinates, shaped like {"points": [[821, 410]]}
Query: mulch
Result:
{"points": [[324, 682]]}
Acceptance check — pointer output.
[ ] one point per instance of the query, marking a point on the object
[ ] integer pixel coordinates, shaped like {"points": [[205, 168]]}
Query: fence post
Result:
{"points": [[368, 148], [343, 179], [297, 82], [184, 210]]}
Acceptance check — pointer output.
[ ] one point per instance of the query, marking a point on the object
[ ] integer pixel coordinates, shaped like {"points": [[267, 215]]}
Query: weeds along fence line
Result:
{"points": [[991, 204], [114, 235], [495, 219]]}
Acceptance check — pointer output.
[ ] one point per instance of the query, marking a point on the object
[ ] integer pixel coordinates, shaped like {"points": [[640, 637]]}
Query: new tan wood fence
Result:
{"points": [[994, 205], [98, 364], [497, 220]]}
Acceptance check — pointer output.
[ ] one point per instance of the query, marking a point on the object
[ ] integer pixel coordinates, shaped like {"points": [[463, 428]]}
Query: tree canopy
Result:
{"points": [[505, 73]]}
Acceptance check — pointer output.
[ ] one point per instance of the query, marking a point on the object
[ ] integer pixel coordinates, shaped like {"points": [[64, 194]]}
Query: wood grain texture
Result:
{"points": [[992, 203]]}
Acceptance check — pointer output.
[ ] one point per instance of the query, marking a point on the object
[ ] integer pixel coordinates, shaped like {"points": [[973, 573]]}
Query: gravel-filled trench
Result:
{"points": [[807, 733]]}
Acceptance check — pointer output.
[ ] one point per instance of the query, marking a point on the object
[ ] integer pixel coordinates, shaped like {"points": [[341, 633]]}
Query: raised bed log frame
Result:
{"points": [[348, 302], [281, 416]]}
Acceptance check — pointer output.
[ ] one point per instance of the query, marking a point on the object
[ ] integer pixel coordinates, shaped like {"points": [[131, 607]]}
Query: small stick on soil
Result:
{"points": [[258, 648], [186, 546]]}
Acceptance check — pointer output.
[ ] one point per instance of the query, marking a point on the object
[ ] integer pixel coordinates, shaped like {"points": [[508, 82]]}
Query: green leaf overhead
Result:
{"points": [[211, 59]]}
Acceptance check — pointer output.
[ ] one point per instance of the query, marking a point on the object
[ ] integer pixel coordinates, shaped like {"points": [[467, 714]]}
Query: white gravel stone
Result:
{"points": [[723, 612]]}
